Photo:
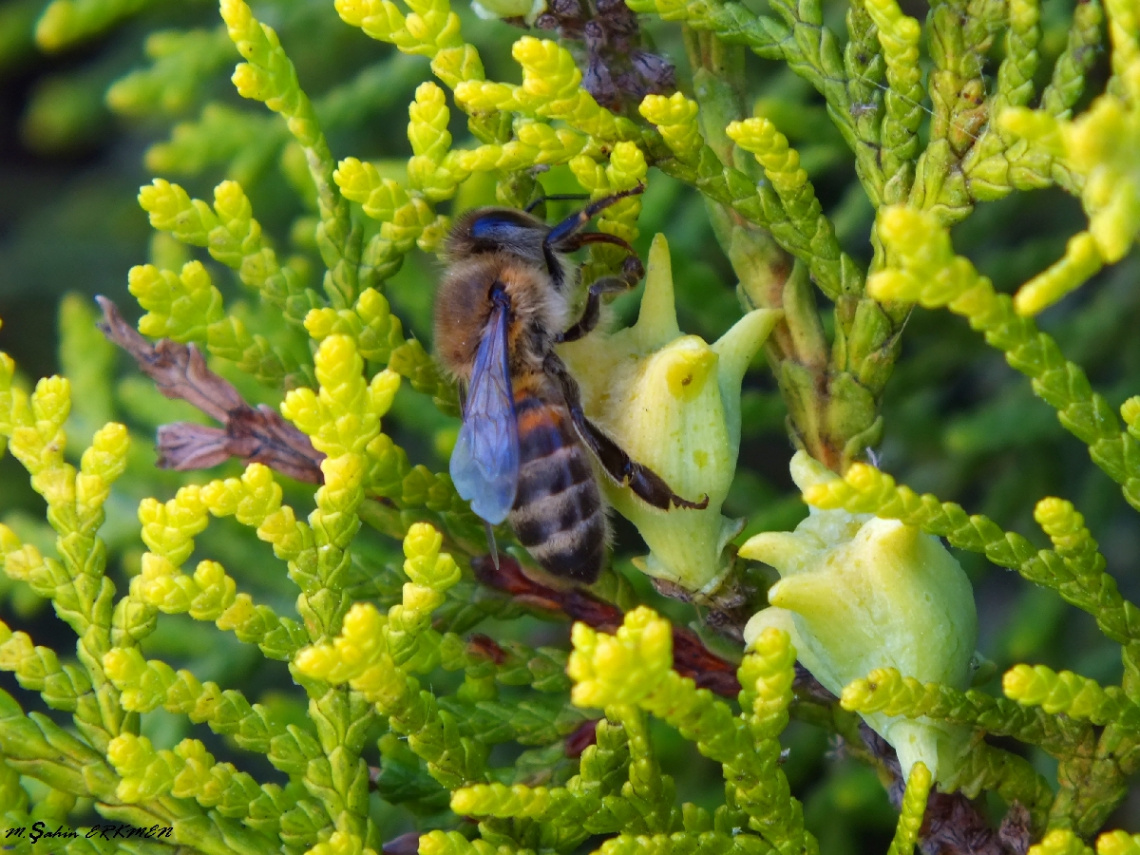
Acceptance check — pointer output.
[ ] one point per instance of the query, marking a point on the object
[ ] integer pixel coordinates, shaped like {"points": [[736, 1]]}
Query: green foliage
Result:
{"points": [[324, 637]]}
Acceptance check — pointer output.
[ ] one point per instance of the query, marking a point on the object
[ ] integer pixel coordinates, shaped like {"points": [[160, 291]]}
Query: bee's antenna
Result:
{"points": [[491, 543], [556, 197]]}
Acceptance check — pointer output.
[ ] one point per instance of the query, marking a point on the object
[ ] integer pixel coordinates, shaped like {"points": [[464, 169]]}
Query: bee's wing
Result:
{"points": [[485, 462]]}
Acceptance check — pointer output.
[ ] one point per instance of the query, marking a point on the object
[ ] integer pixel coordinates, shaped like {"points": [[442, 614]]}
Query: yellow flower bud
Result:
{"points": [[528, 10], [673, 403], [858, 593]]}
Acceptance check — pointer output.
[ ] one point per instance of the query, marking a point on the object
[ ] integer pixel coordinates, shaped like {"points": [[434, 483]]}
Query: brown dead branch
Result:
{"points": [[690, 657], [253, 435]]}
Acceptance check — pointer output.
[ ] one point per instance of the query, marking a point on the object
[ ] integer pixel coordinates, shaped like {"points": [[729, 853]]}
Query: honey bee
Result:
{"points": [[522, 454]]}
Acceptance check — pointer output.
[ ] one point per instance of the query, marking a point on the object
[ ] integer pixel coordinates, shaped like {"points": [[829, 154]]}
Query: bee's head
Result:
{"points": [[497, 230]]}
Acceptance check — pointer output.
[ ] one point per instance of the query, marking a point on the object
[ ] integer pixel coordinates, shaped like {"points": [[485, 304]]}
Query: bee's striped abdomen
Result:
{"points": [[558, 510]]}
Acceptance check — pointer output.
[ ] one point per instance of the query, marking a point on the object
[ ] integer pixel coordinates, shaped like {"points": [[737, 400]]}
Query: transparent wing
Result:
{"points": [[485, 463]]}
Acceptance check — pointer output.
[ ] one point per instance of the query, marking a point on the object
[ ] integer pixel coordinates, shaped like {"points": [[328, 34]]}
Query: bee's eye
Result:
{"points": [[498, 226]]}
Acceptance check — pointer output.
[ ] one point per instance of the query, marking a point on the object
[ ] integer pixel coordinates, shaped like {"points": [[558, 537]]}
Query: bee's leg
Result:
{"points": [[579, 239], [631, 273], [645, 483], [571, 224], [564, 237]]}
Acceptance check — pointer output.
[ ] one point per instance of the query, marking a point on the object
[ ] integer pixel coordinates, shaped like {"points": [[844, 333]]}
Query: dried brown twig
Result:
{"points": [[690, 657], [253, 435]]}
